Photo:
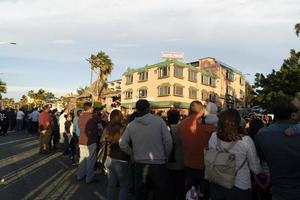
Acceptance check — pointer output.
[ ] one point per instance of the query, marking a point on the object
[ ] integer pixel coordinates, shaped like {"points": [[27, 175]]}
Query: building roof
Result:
{"points": [[166, 63], [222, 64]]}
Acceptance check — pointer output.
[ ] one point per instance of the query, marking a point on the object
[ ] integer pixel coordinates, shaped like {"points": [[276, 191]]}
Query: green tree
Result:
{"points": [[286, 81], [41, 97], [8, 102], [102, 65], [250, 94], [2, 88], [297, 29]]}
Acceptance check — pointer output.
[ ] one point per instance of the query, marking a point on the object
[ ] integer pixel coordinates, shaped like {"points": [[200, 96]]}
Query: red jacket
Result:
{"points": [[194, 137], [45, 121]]}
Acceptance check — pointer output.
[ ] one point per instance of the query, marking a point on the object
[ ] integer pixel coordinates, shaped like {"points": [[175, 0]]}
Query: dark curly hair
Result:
{"points": [[229, 128]]}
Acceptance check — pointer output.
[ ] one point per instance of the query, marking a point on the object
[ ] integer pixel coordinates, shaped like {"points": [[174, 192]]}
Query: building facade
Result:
{"points": [[174, 84]]}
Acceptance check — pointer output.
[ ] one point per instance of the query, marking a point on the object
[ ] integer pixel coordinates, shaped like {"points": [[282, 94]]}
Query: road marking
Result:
{"points": [[99, 196]]}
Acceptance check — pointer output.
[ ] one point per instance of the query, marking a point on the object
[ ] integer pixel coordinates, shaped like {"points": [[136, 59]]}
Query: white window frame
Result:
{"points": [[143, 76], [164, 91], [129, 78], [178, 72], [193, 75]]}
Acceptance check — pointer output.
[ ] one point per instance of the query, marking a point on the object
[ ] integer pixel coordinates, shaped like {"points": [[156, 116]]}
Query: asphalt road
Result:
{"points": [[26, 174]]}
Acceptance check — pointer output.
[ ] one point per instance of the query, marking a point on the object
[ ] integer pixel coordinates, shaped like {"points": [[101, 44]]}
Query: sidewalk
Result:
{"points": [[26, 174]]}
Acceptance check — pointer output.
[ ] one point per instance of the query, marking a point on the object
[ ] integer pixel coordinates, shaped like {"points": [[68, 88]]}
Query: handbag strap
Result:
{"points": [[241, 166]]}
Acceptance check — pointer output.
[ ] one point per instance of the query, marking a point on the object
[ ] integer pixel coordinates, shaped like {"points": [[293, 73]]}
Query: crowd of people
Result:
{"points": [[209, 154]]}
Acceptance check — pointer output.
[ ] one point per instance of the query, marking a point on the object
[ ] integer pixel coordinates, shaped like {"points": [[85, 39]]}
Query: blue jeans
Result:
{"points": [[118, 173], [154, 176], [19, 125], [87, 162]]}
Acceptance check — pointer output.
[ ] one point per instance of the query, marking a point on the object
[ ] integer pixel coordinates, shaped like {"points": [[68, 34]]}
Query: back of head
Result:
{"points": [[115, 127], [46, 108], [173, 116], [87, 106], [196, 107], [116, 117], [142, 106], [211, 108], [282, 107], [229, 128]]}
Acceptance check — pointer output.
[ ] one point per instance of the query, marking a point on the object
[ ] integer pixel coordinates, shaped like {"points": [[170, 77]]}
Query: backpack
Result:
{"points": [[220, 165]]}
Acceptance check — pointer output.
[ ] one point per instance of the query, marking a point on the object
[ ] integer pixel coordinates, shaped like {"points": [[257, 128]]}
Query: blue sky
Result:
{"points": [[55, 37]]}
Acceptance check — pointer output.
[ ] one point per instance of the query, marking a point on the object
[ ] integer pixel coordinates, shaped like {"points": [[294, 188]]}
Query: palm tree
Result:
{"points": [[102, 65], [297, 29], [2, 88], [81, 90]]}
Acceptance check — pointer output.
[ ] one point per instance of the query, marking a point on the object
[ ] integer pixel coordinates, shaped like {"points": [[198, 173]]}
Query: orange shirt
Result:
{"points": [[194, 137]]}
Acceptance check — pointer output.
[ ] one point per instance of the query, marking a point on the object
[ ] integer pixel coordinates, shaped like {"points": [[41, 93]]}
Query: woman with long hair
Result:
{"points": [[117, 162], [230, 136]]}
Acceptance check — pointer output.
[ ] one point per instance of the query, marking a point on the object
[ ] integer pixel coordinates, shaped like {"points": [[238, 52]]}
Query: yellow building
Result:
{"points": [[172, 83]]}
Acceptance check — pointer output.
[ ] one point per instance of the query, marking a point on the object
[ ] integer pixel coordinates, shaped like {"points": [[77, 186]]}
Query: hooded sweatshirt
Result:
{"points": [[211, 114], [148, 139]]}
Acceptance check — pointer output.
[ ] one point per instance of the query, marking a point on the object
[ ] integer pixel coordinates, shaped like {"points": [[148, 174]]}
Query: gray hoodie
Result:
{"points": [[148, 139]]}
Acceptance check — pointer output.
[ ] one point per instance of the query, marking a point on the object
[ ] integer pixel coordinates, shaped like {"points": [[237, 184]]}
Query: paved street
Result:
{"points": [[26, 174]]}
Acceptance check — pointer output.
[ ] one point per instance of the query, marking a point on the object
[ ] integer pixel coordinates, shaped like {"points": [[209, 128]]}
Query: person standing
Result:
{"points": [[148, 139], [175, 163], [68, 135], [281, 152], [4, 122], [55, 131], [76, 134], [230, 138], [62, 120], [89, 133], [117, 161], [194, 137], [45, 124], [35, 120], [20, 119]]}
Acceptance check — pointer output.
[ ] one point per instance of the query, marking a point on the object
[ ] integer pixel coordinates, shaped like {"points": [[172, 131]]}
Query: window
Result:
{"points": [[178, 90], [129, 79], [229, 90], [205, 80], [142, 93], [229, 76], [164, 72], [193, 93], [242, 80], [242, 94], [212, 82], [205, 95], [163, 90], [128, 94], [192, 76], [143, 76], [178, 72]]}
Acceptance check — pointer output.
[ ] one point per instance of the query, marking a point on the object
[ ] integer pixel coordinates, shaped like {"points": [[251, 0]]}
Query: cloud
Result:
{"points": [[125, 45], [64, 42]]}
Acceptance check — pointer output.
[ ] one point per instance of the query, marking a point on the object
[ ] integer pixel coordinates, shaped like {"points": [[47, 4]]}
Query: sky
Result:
{"points": [[55, 37]]}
